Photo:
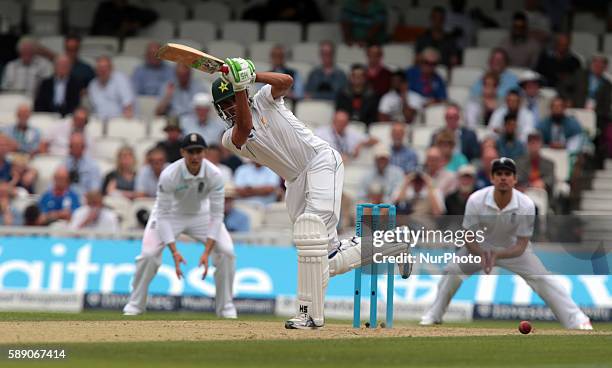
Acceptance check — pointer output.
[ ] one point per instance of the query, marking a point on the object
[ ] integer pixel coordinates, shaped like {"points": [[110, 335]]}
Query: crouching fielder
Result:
{"points": [[189, 201], [509, 217], [264, 130]]}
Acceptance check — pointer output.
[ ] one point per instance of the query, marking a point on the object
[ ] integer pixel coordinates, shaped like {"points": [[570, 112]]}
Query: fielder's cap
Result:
{"points": [[202, 100], [172, 123], [193, 140], [530, 76], [503, 163], [221, 90], [382, 150], [467, 170]]}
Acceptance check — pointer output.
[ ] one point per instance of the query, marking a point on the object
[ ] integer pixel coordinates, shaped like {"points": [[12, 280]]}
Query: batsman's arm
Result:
{"points": [[244, 120], [281, 83]]}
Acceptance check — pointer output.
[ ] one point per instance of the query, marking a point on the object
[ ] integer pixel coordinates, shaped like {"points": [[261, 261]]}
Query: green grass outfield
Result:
{"points": [[512, 350]]}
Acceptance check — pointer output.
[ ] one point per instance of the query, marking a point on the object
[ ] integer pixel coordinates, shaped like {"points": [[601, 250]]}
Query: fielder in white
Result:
{"points": [[509, 215], [264, 130], [190, 199]]}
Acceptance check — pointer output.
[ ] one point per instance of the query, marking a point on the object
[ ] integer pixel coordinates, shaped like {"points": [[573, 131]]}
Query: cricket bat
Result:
{"points": [[192, 58]]}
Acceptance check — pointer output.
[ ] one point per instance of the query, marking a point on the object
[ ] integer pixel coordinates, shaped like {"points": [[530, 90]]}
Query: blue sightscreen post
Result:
{"points": [[357, 294], [374, 273], [390, 273]]}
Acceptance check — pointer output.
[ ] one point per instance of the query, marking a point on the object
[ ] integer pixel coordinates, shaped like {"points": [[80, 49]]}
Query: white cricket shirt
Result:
{"points": [[278, 140]]}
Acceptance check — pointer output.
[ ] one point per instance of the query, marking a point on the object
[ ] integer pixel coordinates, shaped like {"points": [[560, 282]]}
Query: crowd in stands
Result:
{"points": [[507, 114]]}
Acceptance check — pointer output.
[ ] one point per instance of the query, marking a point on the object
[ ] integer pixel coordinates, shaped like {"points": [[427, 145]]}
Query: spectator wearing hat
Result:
{"points": [[389, 176], [149, 77], [235, 220], [402, 156], [94, 216], [558, 64], [559, 130], [59, 202], [172, 144], [524, 118], [523, 49], [507, 143], [466, 185], [535, 102], [536, 170], [202, 121], [148, 175], [590, 89], [110, 93]]}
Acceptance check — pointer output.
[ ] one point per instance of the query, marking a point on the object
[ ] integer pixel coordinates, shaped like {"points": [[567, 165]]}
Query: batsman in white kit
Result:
{"points": [[264, 130], [190, 200], [509, 216]]}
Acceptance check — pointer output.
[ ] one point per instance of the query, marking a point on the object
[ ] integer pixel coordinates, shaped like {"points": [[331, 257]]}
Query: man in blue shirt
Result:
{"points": [[256, 183], [60, 201], [498, 62], [149, 77], [176, 96], [423, 79], [26, 136], [84, 171], [402, 156], [560, 130], [325, 80], [202, 121], [235, 220]]}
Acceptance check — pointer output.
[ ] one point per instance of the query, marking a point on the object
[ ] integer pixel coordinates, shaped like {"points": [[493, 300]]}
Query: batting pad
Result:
{"points": [[311, 239]]}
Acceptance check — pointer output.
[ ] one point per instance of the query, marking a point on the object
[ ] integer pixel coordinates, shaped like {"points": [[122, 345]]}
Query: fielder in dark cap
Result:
{"points": [[193, 140], [503, 163]]}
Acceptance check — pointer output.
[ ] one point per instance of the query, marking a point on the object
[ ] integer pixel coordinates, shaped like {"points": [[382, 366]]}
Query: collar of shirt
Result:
{"points": [[490, 202], [189, 176]]}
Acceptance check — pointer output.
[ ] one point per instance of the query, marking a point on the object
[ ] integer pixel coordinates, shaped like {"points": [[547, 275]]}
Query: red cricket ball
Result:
{"points": [[524, 327]]}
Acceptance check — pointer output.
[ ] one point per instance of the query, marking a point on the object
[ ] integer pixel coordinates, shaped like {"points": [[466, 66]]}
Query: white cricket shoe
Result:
{"points": [[229, 312], [301, 322], [587, 326], [131, 311], [429, 321]]}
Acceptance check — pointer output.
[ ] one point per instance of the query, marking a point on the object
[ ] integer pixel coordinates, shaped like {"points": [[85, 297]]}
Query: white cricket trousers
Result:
{"points": [[530, 268], [149, 260]]}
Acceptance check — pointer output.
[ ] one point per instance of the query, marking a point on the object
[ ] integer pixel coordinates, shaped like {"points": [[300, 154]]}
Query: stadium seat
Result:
{"points": [[417, 17], [123, 208], [45, 122], [350, 55], [491, 37], [561, 159], [80, 15], [95, 127], [45, 165], [484, 5], [381, 130], [434, 115], [584, 43], [244, 32], [476, 57], [503, 17], [212, 11], [465, 76], [315, 113], [422, 135], [129, 129], [307, 52], [198, 30], [106, 166], [188, 42], [146, 107], [276, 216], [254, 212], [141, 147], [106, 148], [261, 50], [303, 69], [94, 46], [324, 31], [587, 120], [9, 101], [126, 64], [170, 10], [53, 43], [12, 12], [161, 30], [287, 33], [539, 197], [400, 55], [135, 46], [262, 65], [353, 180], [156, 128], [607, 44], [459, 94], [588, 22], [226, 48], [358, 126]]}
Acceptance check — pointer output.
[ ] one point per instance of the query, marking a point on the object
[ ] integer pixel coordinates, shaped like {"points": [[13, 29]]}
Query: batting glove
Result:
{"points": [[241, 73]]}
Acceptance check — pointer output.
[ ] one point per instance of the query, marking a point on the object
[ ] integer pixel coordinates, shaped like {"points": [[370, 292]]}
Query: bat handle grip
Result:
{"points": [[224, 69]]}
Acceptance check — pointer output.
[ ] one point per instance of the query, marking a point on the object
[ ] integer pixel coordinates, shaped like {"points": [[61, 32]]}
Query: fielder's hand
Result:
{"points": [[489, 260], [204, 262], [241, 73], [178, 259]]}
